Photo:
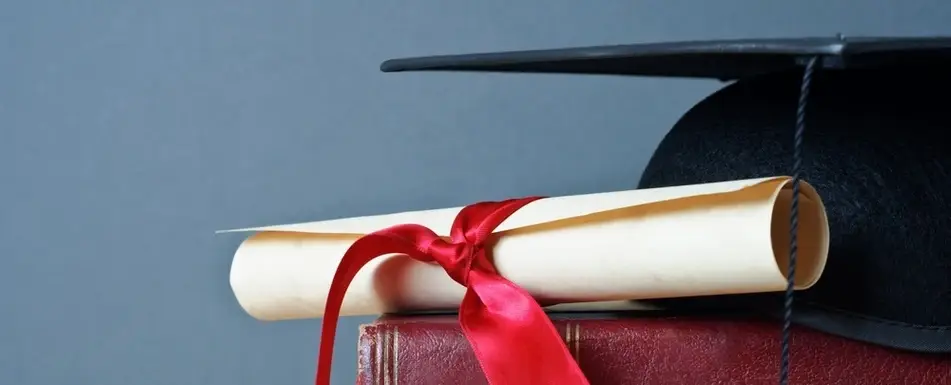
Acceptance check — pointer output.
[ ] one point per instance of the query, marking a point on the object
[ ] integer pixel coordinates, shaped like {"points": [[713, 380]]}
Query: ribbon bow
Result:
{"points": [[511, 336]]}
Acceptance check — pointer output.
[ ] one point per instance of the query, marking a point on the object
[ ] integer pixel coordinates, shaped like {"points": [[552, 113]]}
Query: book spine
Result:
{"points": [[424, 351]]}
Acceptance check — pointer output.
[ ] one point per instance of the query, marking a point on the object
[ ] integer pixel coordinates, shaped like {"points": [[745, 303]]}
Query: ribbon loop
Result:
{"points": [[510, 334]]}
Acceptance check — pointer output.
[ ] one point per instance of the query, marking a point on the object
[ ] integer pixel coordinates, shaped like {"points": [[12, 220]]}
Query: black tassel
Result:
{"points": [[794, 218]]}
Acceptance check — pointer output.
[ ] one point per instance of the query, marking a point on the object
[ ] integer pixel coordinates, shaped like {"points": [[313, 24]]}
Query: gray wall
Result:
{"points": [[131, 130]]}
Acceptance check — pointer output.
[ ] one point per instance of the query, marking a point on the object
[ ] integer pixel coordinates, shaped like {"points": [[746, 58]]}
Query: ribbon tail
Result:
{"points": [[359, 254], [512, 337]]}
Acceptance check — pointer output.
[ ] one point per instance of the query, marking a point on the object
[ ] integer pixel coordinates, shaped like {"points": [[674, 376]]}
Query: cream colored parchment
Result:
{"points": [[717, 238]]}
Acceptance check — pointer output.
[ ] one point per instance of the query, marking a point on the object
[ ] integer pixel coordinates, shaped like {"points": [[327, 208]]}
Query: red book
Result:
{"points": [[423, 350]]}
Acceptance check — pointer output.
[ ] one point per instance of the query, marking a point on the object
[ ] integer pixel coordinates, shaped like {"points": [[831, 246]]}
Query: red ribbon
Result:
{"points": [[512, 337]]}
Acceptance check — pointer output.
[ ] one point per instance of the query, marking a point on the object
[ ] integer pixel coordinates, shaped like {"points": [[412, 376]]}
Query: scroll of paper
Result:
{"points": [[708, 239]]}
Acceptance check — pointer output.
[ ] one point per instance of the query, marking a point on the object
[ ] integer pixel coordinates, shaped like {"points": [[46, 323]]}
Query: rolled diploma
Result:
{"points": [[695, 240]]}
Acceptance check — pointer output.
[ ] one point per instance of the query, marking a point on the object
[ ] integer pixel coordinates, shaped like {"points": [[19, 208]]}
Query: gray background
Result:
{"points": [[131, 130]]}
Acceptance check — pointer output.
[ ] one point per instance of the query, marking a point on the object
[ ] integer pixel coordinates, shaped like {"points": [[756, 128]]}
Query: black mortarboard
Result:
{"points": [[874, 121]]}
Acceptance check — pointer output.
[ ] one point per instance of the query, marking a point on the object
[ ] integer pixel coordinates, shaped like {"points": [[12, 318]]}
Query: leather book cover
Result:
{"points": [[431, 350]]}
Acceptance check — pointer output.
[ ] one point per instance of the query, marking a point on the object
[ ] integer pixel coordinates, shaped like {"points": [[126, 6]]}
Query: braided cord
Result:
{"points": [[794, 219]]}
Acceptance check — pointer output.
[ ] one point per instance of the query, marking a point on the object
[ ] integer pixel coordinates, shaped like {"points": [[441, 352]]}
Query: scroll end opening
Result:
{"points": [[812, 234]]}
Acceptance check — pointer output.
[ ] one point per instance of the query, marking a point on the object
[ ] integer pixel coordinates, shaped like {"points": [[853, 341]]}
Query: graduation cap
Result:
{"points": [[863, 119]]}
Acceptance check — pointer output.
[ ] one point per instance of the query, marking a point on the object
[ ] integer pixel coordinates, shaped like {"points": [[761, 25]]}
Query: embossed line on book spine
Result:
{"points": [[386, 360], [578, 343], [573, 339]]}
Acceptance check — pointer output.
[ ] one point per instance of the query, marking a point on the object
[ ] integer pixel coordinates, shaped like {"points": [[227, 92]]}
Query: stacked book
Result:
{"points": [[646, 349]]}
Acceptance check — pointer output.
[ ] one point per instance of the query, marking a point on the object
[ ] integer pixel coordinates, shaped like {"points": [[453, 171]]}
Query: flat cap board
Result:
{"points": [[716, 59]]}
